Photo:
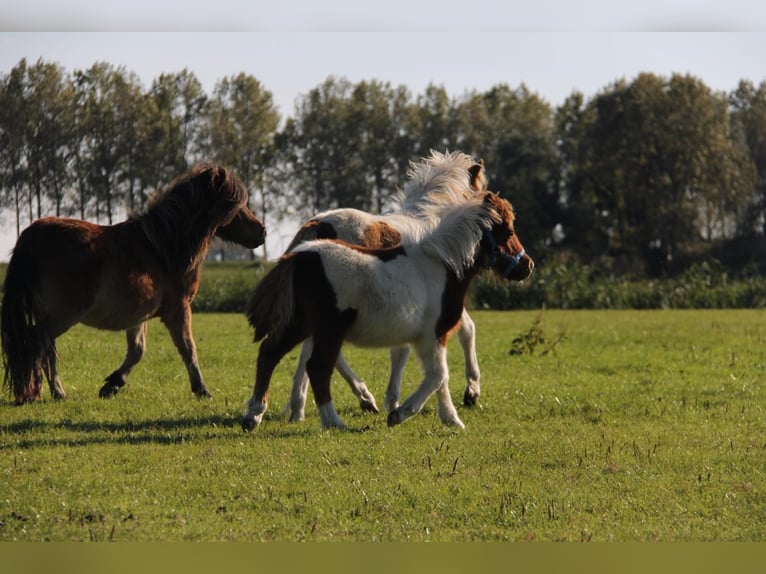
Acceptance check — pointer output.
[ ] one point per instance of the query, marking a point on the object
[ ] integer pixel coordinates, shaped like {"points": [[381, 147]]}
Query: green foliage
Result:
{"points": [[644, 426], [225, 287], [579, 286], [535, 339], [654, 172]]}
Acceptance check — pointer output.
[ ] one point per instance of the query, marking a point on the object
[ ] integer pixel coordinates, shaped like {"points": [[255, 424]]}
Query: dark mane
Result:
{"points": [[181, 220]]}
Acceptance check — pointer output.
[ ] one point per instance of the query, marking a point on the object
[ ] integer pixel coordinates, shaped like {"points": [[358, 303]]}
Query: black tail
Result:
{"points": [[25, 341], [272, 304]]}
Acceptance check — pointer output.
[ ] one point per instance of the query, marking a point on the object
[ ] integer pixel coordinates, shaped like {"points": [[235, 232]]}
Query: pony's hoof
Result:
{"points": [[248, 425], [108, 391], [368, 406], [394, 418], [202, 393], [470, 399]]}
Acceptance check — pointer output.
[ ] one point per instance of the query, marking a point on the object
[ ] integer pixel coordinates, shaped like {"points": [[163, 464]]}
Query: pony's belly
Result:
{"points": [[117, 320], [118, 313], [383, 331]]}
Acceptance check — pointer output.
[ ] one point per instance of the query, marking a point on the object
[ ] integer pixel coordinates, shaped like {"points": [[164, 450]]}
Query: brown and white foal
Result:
{"points": [[410, 294], [435, 182]]}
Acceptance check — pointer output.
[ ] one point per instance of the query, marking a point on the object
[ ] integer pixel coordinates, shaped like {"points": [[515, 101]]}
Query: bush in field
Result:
{"points": [[225, 287], [706, 285]]}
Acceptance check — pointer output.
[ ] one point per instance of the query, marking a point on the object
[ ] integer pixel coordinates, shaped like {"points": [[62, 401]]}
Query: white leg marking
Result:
{"points": [[360, 390], [399, 356], [255, 411], [447, 411], [296, 407], [434, 360], [467, 337]]}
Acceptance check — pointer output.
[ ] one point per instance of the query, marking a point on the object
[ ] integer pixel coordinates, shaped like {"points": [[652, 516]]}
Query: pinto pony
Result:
{"points": [[410, 294], [68, 271], [435, 182]]}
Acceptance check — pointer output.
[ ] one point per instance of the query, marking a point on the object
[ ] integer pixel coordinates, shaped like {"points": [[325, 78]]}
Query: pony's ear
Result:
{"points": [[218, 175], [478, 177]]}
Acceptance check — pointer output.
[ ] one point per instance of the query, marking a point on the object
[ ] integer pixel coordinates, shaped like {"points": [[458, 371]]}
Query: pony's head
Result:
{"points": [[500, 248], [207, 200]]}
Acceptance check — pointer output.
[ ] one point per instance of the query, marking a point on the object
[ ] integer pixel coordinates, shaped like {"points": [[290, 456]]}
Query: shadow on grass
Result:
{"points": [[32, 433]]}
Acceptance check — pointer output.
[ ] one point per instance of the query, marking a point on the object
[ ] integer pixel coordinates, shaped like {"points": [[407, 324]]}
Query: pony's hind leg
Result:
{"points": [[271, 351], [467, 336], [319, 368], [399, 356], [295, 409], [136, 338], [360, 390], [51, 373]]}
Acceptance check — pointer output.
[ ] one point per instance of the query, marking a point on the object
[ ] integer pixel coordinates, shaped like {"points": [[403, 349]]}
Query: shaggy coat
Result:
{"points": [[410, 294], [67, 271]]}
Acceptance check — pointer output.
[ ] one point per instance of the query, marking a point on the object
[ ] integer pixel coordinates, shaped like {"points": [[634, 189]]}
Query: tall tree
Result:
{"points": [[108, 124], [376, 128], [13, 127], [49, 106], [242, 123], [513, 131], [748, 110], [321, 149], [435, 124], [580, 226], [662, 167]]}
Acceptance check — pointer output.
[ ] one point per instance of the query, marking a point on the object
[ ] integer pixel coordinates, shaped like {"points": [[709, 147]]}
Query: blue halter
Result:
{"points": [[510, 260]]}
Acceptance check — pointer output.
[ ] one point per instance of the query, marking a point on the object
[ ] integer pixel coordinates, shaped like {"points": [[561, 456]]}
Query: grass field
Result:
{"points": [[635, 426]]}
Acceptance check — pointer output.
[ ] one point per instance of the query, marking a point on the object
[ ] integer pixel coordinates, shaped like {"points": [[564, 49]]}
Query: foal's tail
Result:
{"points": [[272, 305], [24, 339]]}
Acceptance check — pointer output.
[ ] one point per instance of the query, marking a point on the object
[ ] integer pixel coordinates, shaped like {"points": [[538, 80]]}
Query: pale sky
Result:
{"points": [[554, 47]]}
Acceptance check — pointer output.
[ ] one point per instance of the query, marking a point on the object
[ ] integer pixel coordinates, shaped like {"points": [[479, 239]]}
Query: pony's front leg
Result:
{"points": [[467, 336], [434, 361], [360, 390], [399, 356], [178, 321], [447, 411], [136, 337]]}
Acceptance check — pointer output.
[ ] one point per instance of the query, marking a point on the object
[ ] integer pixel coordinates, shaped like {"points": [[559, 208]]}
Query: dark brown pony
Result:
{"points": [[67, 271]]}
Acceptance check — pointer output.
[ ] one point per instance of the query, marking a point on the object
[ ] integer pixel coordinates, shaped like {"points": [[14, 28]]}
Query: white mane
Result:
{"points": [[456, 236], [438, 180]]}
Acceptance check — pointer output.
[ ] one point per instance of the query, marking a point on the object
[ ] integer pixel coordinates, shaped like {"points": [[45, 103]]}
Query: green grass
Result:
{"points": [[637, 426]]}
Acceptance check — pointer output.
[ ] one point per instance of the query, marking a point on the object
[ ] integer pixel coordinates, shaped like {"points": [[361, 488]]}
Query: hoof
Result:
{"points": [[108, 391], [248, 425], [368, 406], [394, 418], [470, 399], [202, 393], [296, 417]]}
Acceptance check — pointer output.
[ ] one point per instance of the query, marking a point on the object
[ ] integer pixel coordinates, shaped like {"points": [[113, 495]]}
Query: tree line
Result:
{"points": [[644, 178]]}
